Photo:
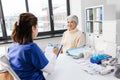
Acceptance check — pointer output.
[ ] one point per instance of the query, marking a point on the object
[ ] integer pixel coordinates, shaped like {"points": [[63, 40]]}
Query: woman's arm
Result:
{"points": [[49, 68]]}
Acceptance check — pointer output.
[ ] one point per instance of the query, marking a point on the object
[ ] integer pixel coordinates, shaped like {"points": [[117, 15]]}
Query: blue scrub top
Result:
{"points": [[27, 60]]}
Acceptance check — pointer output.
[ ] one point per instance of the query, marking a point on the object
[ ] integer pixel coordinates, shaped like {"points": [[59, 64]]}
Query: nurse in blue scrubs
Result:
{"points": [[26, 58]]}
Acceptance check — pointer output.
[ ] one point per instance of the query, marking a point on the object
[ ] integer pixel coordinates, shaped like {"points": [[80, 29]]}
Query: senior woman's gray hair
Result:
{"points": [[74, 18]]}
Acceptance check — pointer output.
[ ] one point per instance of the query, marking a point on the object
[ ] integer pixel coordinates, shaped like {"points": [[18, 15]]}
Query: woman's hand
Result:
{"points": [[55, 50]]}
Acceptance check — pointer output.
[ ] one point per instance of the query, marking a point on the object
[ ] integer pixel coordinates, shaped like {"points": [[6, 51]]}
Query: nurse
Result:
{"points": [[26, 58]]}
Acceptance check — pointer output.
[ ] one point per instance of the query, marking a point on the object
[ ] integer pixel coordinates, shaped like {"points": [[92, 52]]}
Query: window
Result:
{"points": [[59, 14], [1, 34], [11, 10], [1, 21], [41, 10], [51, 15]]}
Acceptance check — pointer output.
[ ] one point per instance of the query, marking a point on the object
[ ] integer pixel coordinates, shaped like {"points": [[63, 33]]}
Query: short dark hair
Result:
{"points": [[22, 31]]}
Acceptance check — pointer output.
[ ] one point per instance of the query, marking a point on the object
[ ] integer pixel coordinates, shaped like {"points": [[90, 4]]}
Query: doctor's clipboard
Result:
{"points": [[56, 45]]}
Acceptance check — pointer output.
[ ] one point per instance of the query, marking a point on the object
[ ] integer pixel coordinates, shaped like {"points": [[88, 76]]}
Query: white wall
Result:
{"points": [[117, 3]]}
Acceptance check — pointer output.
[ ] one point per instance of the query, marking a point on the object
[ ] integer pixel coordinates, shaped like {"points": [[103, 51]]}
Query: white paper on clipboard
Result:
{"points": [[48, 50]]}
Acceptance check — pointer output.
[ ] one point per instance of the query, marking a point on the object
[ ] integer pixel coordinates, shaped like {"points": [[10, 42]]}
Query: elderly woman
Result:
{"points": [[72, 37]]}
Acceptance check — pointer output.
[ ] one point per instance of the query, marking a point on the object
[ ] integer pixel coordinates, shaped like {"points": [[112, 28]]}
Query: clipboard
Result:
{"points": [[56, 45]]}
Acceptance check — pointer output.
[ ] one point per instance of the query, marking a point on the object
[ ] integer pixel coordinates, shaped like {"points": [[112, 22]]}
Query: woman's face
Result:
{"points": [[71, 24], [34, 31]]}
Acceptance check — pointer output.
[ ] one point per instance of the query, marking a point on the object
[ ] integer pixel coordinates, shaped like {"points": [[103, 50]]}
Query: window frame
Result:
{"points": [[40, 34]]}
